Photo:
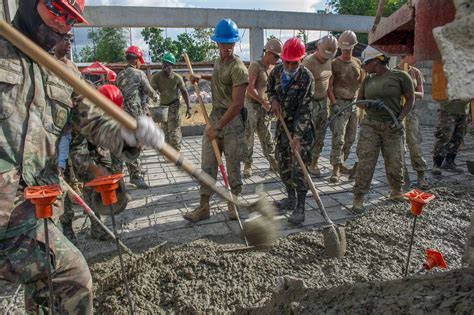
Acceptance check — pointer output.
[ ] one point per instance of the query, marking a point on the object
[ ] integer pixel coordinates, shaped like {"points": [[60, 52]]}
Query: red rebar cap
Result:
{"points": [[43, 197], [434, 259], [106, 186], [418, 200]]}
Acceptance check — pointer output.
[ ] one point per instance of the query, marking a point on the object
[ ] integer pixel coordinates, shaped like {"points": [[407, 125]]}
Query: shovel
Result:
{"points": [[334, 236], [43, 58]]}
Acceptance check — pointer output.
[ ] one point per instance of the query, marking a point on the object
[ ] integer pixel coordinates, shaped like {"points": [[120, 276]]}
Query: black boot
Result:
{"points": [[68, 231], [450, 165], [298, 217], [437, 162], [287, 204]]}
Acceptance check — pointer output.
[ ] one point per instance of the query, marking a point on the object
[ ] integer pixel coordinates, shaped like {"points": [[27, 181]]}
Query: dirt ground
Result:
{"points": [[200, 277]]}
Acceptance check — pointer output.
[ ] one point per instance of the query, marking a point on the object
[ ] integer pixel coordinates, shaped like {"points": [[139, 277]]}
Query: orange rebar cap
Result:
{"points": [[434, 259], [43, 197], [106, 186], [418, 200]]}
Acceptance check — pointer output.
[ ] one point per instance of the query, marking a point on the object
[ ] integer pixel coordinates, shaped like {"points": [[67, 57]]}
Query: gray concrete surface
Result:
{"points": [[155, 214]]}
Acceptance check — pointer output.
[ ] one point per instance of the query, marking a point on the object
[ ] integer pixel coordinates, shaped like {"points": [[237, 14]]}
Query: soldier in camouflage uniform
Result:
{"points": [[319, 64], [290, 91], [450, 130], [35, 105], [134, 86], [379, 131], [257, 105], [346, 77], [412, 125], [167, 83], [228, 82]]}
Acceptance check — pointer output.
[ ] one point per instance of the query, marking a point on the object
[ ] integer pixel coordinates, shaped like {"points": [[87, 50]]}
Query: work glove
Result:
{"points": [[147, 134]]}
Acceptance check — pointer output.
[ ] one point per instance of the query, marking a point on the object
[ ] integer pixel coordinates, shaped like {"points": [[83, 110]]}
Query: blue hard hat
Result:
{"points": [[226, 32]]}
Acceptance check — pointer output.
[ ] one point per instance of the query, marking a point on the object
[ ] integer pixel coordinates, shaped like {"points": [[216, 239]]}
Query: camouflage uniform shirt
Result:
{"points": [[35, 106], [134, 86]]}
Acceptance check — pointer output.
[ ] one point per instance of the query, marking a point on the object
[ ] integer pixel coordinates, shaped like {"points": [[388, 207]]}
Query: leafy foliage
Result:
{"points": [[108, 45]]}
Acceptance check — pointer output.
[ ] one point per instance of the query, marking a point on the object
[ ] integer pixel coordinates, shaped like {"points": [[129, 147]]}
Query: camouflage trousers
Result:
{"points": [[376, 136], [259, 121], [135, 168], [289, 169], [449, 133], [319, 116], [172, 128], [344, 131], [413, 140], [231, 143], [22, 260]]}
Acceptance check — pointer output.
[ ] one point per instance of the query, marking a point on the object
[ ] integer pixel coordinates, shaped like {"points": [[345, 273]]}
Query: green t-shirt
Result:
{"points": [[224, 77], [455, 107], [168, 87], [389, 87]]}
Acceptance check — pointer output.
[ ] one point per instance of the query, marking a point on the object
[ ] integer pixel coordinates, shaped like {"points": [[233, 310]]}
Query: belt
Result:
{"points": [[176, 100], [320, 99], [380, 119]]}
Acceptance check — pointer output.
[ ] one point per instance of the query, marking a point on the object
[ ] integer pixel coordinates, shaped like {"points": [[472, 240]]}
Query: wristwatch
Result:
{"points": [[217, 129]]}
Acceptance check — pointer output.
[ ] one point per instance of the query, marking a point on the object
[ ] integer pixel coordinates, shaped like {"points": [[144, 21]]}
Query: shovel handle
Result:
{"points": [[43, 58], [308, 179]]}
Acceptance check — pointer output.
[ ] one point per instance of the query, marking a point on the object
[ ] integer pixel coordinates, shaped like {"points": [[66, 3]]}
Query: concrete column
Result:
{"points": [[9, 7], [256, 43]]}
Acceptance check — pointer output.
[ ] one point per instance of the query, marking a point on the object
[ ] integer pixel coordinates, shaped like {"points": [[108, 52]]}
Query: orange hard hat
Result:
{"points": [[112, 93], [293, 50], [135, 51], [72, 10]]}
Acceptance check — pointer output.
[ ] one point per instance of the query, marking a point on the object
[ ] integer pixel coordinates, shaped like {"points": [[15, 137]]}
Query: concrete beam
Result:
{"points": [[256, 43], [116, 16], [9, 7]]}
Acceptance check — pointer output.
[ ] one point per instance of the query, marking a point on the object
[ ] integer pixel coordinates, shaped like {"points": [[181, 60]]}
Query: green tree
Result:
{"points": [[157, 43], [303, 35], [363, 7], [108, 45]]}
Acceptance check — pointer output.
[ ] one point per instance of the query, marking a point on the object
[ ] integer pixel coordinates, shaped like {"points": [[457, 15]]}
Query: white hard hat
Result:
{"points": [[347, 40], [370, 53], [274, 45], [327, 46]]}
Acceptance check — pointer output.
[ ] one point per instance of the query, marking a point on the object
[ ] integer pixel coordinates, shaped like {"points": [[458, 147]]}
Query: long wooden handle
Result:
{"points": [[308, 179], [215, 147], [43, 58]]}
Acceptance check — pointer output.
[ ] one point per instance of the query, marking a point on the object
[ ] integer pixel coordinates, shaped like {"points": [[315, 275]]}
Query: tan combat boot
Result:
{"points": [[336, 173], [247, 170], [396, 195], [231, 211], [344, 169], [422, 182], [358, 204], [202, 212], [314, 169]]}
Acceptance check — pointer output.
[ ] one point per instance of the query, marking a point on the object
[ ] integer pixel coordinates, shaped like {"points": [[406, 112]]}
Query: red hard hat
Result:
{"points": [[112, 93], [293, 50], [73, 7], [135, 50]]}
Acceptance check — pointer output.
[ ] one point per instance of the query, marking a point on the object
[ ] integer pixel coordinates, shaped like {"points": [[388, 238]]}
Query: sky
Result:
{"points": [[243, 48]]}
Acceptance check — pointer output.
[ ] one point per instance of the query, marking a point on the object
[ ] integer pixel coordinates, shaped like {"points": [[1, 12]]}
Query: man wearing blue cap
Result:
{"points": [[229, 81]]}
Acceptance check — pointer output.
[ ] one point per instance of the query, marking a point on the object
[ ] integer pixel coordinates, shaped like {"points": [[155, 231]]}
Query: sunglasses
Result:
{"points": [[58, 11], [276, 56], [68, 40]]}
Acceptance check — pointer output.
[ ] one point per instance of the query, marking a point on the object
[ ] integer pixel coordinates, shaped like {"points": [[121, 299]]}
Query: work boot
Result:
{"points": [[344, 169], [353, 171], [68, 231], [437, 162], [358, 204], [450, 165], [98, 232], [336, 173], [298, 217], [314, 169], [289, 203], [422, 182], [274, 165], [139, 182], [202, 212], [231, 211], [396, 195], [247, 170]]}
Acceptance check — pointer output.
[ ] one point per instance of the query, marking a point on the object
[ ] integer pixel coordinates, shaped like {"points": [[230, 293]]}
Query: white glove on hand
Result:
{"points": [[147, 134]]}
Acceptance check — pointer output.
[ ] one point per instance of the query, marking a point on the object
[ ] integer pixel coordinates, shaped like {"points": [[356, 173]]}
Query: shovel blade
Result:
{"points": [[335, 241]]}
